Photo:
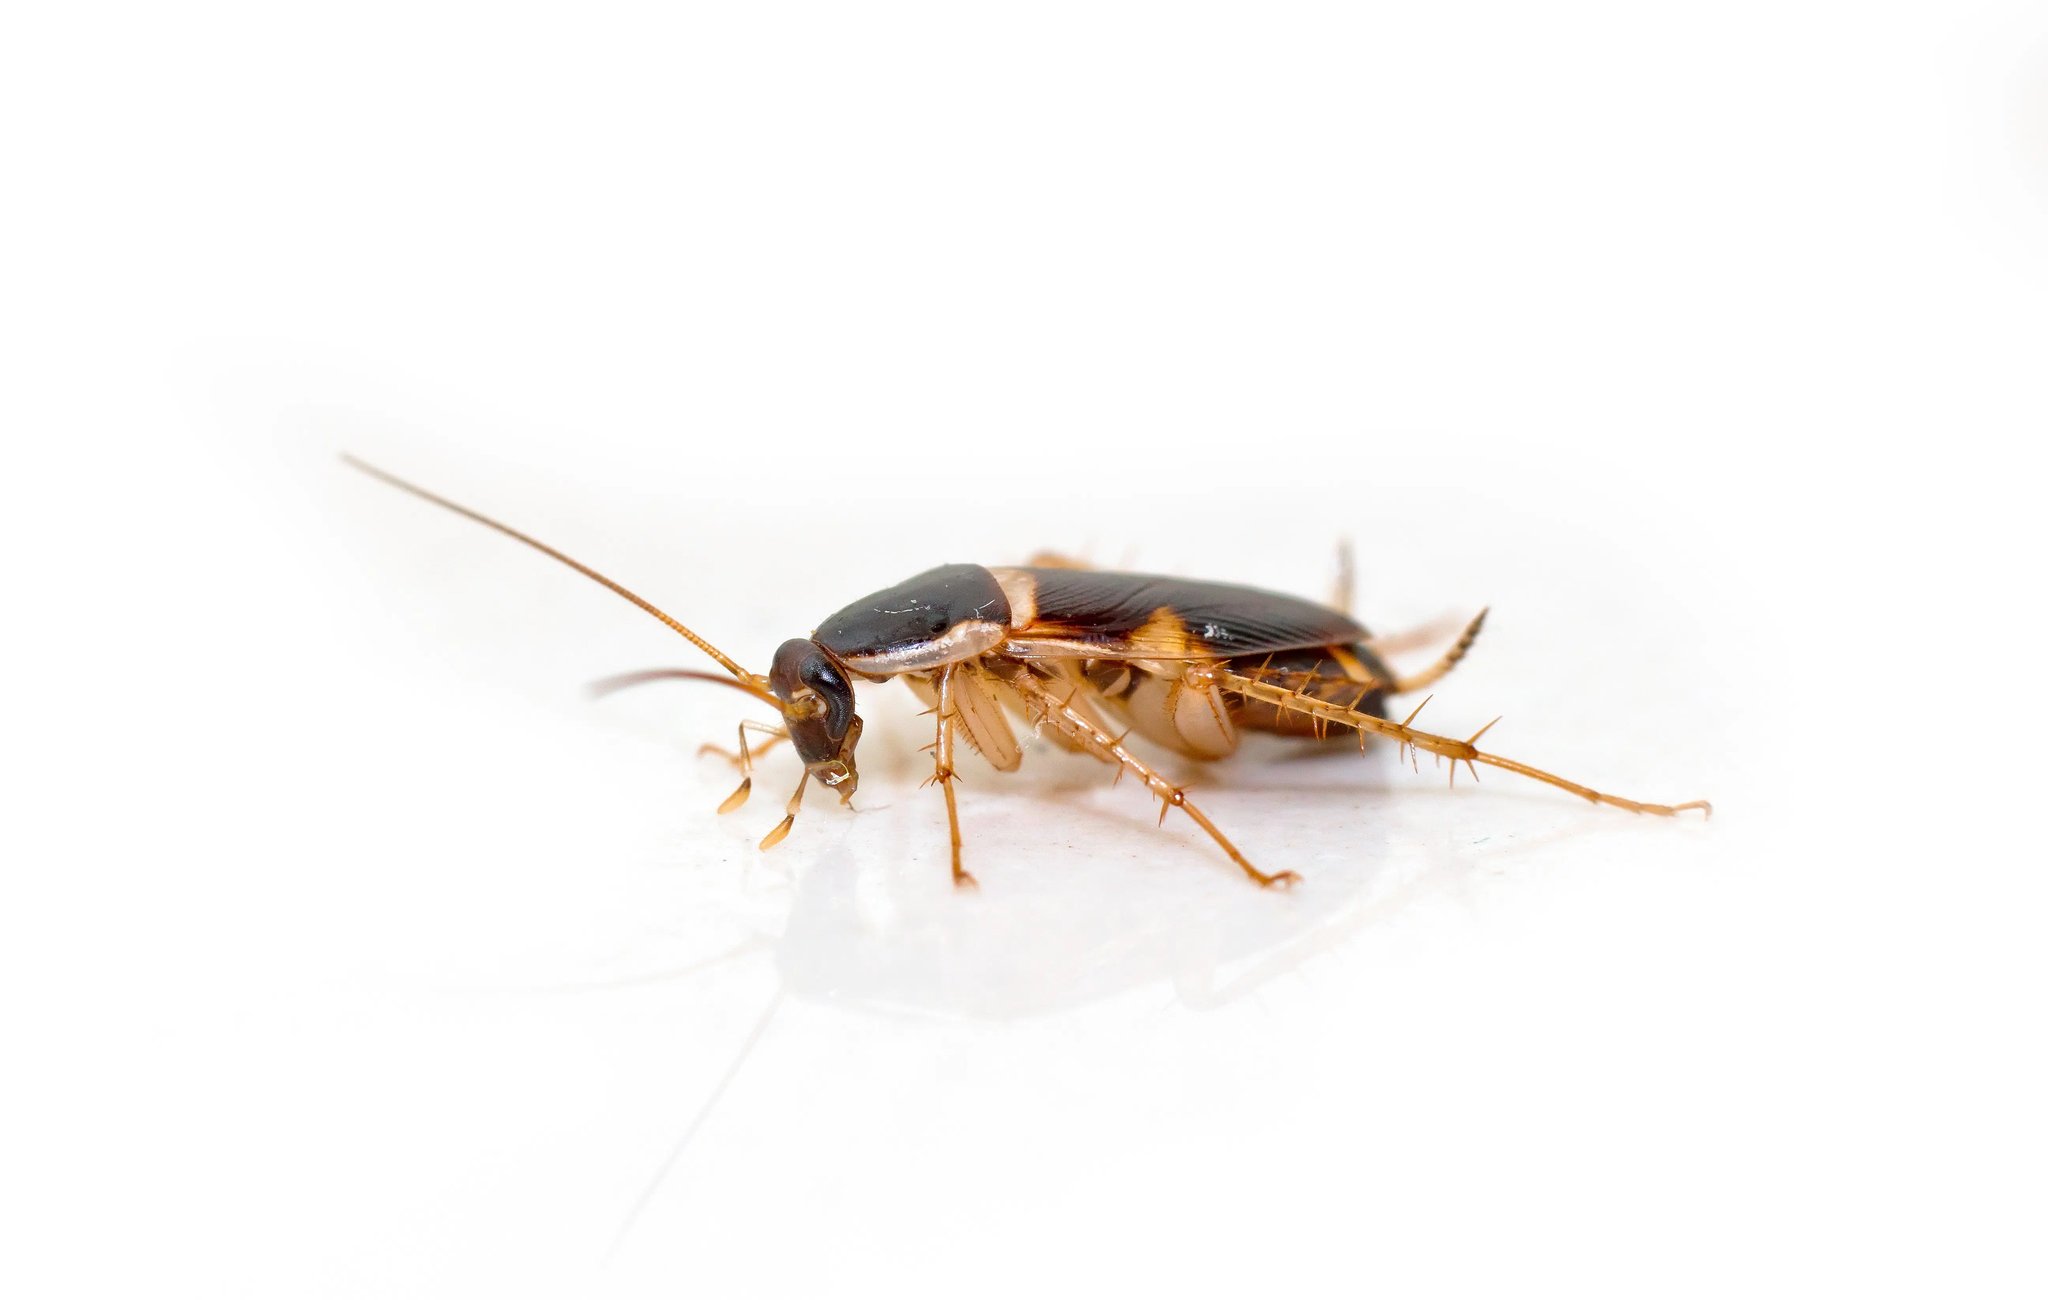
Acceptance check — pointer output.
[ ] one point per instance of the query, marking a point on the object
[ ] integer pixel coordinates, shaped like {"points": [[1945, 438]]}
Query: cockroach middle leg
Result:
{"points": [[1069, 722], [942, 767], [1458, 751]]}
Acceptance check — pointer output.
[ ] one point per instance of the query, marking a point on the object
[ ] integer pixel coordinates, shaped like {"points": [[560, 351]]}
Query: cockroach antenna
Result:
{"points": [[752, 683]]}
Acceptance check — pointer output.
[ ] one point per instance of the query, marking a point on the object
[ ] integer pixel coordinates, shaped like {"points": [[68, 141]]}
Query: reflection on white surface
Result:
{"points": [[1085, 909], [1123, 914], [1083, 897]]}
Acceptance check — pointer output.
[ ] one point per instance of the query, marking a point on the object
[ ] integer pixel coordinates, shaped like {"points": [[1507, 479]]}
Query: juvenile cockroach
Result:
{"points": [[1184, 664]]}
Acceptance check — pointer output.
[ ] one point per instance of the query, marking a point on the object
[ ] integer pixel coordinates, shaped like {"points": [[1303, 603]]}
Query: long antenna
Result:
{"points": [[748, 681]]}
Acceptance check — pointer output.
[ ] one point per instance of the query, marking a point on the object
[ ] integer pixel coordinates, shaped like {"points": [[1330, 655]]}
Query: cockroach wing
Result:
{"points": [[1070, 613]]}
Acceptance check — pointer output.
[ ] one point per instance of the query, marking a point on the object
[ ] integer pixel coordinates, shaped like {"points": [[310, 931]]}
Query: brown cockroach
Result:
{"points": [[1186, 665]]}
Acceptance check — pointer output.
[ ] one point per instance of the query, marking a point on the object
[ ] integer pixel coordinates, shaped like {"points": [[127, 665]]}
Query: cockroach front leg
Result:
{"points": [[942, 768], [1085, 734]]}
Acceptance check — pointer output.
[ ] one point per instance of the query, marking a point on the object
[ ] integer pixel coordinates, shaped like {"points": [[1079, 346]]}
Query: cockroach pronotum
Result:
{"points": [[1187, 665]]}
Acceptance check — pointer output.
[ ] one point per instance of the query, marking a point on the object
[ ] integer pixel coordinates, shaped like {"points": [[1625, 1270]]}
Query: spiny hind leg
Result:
{"points": [[1411, 640], [1458, 751], [1445, 662], [1062, 717], [942, 766]]}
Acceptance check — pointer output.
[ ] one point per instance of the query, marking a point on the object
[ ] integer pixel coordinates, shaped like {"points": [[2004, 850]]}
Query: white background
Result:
{"points": [[350, 950]]}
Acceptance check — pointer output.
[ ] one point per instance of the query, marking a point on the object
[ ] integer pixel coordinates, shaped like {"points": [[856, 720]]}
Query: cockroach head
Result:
{"points": [[817, 707]]}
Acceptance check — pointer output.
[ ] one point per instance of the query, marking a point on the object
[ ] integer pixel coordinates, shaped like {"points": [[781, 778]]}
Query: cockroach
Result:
{"points": [[1185, 664]]}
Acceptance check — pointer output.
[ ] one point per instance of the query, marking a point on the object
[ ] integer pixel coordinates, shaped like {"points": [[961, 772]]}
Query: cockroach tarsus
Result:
{"points": [[1184, 664]]}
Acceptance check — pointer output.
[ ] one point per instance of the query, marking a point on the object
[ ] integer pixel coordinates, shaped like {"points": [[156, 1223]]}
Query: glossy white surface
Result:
{"points": [[352, 951]]}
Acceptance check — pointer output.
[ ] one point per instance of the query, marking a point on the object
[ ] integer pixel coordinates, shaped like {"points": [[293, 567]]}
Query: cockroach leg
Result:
{"points": [[1458, 751], [775, 736], [1449, 659], [942, 767], [1346, 589], [1069, 722], [776, 836], [744, 759], [1413, 640], [1056, 560]]}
